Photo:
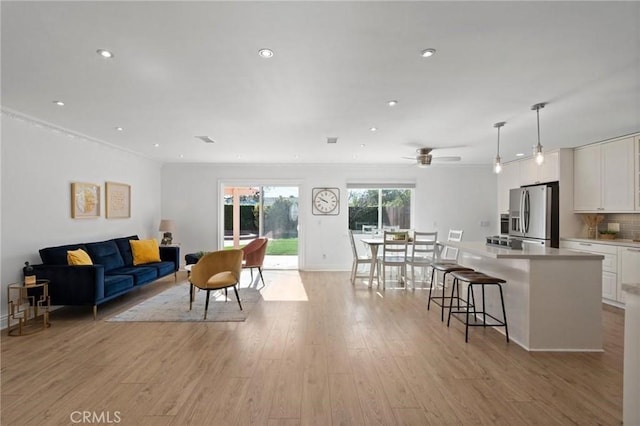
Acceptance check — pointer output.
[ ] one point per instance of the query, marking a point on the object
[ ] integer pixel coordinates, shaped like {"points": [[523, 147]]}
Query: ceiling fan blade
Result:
{"points": [[450, 158], [409, 158]]}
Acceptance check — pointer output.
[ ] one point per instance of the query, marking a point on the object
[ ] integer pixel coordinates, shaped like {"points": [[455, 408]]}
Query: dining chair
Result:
{"points": [[253, 256], [217, 270], [394, 255], [446, 263], [423, 254], [358, 259], [449, 253]]}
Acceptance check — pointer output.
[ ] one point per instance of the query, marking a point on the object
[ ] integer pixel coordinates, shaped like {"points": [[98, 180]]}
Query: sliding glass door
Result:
{"points": [[264, 211]]}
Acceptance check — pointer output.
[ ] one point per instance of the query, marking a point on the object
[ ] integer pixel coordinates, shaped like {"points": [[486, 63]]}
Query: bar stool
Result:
{"points": [[475, 278], [447, 267]]}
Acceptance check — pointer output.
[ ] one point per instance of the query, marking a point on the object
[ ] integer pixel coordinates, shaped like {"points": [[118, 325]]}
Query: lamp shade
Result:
{"points": [[167, 225]]}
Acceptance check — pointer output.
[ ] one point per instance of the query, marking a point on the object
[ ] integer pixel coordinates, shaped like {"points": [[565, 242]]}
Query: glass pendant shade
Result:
{"points": [[539, 155], [537, 150], [497, 166]]}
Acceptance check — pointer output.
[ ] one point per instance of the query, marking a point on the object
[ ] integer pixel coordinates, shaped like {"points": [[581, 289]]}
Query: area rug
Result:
{"points": [[172, 305]]}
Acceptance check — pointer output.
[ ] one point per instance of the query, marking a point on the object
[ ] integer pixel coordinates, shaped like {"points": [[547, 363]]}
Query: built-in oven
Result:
{"points": [[504, 224]]}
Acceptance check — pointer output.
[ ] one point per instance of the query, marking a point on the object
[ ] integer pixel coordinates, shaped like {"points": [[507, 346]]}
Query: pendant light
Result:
{"points": [[537, 151], [497, 168]]}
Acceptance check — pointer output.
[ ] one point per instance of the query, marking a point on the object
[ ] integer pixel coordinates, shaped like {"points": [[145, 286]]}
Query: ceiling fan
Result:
{"points": [[424, 157]]}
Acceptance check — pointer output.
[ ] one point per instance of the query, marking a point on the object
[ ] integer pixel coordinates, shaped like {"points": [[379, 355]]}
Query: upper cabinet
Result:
{"points": [[586, 178], [508, 179], [526, 172], [549, 171], [604, 177]]}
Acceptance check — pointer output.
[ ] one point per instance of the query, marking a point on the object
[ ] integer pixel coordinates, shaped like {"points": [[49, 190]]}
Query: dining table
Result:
{"points": [[374, 243]]}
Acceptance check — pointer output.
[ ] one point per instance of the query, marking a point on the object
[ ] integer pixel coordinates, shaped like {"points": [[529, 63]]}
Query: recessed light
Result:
{"points": [[119, 128], [520, 154], [265, 53], [362, 145], [59, 103], [105, 53], [392, 102], [373, 129], [428, 52], [181, 155], [156, 145]]}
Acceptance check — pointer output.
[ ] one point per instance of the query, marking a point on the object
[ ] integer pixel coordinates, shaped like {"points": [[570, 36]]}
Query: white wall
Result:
{"points": [[39, 162], [446, 197]]}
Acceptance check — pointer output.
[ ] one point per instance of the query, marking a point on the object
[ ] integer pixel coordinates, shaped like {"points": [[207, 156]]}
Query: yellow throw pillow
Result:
{"points": [[145, 251], [78, 257]]}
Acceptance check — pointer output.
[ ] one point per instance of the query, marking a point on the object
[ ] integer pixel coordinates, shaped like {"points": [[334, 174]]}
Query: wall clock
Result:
{"points": [[325, 201]]}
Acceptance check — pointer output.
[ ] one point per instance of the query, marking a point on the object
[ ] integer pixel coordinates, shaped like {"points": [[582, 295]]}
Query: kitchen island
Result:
{"points": [[553, 297]]}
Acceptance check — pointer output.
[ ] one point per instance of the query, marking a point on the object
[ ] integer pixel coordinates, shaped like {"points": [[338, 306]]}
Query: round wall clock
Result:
{"points": [[325, 201]]}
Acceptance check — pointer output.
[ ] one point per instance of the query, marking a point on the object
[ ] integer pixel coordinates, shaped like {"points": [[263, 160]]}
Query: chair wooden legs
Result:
{"points": [[206, 304], [190, 296], [237, 296], [261, 277]]}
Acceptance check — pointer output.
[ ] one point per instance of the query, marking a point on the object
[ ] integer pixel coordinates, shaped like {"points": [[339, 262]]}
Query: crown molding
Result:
{"points": [[53, 128]]}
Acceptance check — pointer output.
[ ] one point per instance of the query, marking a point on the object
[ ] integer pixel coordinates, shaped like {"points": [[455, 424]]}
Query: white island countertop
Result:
{"points": [[529, 251], [553, 297]]}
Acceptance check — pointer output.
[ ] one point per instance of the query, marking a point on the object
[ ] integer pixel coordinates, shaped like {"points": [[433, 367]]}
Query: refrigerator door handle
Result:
{"points": [[521, 221], [527, 211]]}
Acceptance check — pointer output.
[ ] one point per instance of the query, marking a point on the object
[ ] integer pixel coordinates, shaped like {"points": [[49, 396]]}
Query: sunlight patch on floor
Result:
{"points": [[283, 286]]}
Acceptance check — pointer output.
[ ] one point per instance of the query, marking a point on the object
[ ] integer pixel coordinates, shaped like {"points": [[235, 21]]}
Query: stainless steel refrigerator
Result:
{"points": [[533, 214]]}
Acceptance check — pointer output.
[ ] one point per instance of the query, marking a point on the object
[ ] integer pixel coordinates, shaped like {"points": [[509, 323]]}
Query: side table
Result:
{"points": [[28, 308]]}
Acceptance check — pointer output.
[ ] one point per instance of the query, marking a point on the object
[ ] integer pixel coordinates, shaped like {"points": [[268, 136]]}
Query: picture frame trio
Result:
{"points": [[86, 200]]}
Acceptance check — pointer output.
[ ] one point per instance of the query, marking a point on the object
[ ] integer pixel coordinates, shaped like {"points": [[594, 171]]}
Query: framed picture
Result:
{"points": [[118, 196], [85, 200]]}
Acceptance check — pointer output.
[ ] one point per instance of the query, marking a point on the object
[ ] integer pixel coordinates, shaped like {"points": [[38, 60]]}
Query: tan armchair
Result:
{"points": [[254, 253], [215, 271]]}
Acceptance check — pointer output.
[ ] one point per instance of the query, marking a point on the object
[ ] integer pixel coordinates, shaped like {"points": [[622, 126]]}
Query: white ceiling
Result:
{"points": [[183, 69]]}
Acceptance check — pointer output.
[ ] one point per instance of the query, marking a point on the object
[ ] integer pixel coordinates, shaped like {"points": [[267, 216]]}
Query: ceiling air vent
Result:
{"points": [[206, 139], [332, 140]]}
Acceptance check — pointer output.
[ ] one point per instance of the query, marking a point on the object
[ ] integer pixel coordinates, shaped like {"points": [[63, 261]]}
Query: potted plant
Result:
{"points": [[608, 235]]}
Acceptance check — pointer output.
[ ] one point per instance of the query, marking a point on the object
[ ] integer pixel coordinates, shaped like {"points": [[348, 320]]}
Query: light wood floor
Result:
{"points": [[348, 355]]}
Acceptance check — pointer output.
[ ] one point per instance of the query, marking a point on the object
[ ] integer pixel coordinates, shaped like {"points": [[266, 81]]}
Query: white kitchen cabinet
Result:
{"points": [[587, 178], [609, 285], [604, 177], [628, 267], [533, 173], [526, 172], [508, 179], [610, 277], [618, 175]]}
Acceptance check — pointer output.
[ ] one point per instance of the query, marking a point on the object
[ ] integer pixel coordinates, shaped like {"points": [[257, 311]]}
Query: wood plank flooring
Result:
{"points": [[347, 355]]}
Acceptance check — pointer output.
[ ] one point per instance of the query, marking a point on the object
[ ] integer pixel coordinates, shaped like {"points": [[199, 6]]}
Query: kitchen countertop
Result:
{"points": [[528, 252], [624, 243]]}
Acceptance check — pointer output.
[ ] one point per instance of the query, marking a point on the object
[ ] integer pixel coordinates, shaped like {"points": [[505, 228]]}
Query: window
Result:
{"points": [[379, 207]]}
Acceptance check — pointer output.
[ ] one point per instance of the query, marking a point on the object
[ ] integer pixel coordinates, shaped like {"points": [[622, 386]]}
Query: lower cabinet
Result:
{"points": [[611, 285], [628, 268]]}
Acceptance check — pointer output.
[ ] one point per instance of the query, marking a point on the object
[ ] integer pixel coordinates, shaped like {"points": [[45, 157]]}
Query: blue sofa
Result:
{"points": [[111, 275]]}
